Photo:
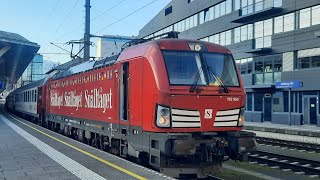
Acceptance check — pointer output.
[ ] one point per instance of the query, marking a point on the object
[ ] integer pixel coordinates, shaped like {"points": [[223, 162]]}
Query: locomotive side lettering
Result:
{"points": [[72, 99], [96, 99], [56, 100]]}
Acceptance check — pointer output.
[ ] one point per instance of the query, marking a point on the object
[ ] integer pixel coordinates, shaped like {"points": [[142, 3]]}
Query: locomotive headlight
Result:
{"points": [[241, 117], [163, 116]]}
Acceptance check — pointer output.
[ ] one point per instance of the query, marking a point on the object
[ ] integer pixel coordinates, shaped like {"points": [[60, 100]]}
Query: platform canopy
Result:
{"points": [[16, 53]]}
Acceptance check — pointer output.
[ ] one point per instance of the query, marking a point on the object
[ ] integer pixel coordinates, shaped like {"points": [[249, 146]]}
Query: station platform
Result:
{"points": [[301, 133], [28, 151]]}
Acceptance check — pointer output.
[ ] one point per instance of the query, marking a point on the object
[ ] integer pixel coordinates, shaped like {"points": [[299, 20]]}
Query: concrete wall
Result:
{"points": [[253, 116], [283, 118]]}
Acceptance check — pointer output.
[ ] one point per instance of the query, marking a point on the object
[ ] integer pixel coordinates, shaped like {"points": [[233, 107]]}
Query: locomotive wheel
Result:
{"points": [[105, 143]]}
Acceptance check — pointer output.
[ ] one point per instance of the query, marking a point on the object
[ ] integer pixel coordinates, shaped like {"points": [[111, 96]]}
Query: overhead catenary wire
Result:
{"points": [[104, 12], [130, 14], [94, 18], [68, 15], [50, 15]]}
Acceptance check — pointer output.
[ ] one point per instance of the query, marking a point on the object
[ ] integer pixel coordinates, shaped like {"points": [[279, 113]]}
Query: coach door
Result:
{"points": [[124, 95]]}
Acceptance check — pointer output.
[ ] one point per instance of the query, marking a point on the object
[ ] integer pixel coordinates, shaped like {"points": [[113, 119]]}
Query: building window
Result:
{"points": [[223, 38], [249, 6], [237, 4], [263, 32], [206, 15], [277, 3], [309, 58], [216, 39], [217, 11], [278, 24], [315, 15], [228, 37], [195, 20], [246, 7], [168, 11], [250, 31], [228, 6], [201, 17], [222, 8], [244, 33], [268, 69], [237, 35], [258, 5], [305, 18], [245, 65], [211, 12], [289, 22]]}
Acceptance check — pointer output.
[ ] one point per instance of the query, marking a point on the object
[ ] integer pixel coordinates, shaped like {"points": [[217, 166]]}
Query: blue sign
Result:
{"points": [[1, 85], [288, 84]]}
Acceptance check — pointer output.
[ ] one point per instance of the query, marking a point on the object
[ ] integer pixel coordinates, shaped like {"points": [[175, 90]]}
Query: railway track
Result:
{"points": [[286, 163], [289, 144]]}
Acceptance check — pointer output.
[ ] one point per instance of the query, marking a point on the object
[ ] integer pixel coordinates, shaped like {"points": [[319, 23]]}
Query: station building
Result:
{"points": [[110, 45], [271, 40]]}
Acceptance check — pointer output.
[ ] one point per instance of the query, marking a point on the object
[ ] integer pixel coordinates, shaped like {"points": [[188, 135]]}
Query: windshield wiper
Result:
{"points": [[217, 78], [196, 80]]}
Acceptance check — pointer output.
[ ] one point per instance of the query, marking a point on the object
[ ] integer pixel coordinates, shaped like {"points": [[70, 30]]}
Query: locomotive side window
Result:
{"points": [[124, 91]]}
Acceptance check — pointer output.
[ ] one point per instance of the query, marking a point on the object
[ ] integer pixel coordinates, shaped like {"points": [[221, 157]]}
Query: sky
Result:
{"points": [[59, 21]]}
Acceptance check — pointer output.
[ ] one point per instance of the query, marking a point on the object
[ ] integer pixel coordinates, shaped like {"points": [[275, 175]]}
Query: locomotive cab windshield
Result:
{"points": [[200, 69]]}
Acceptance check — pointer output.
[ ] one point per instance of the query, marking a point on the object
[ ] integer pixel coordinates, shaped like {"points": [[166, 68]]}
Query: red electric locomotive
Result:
{"points": [[175, 104]]}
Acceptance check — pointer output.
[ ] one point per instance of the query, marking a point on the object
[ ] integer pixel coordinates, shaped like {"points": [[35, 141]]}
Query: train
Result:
{"points": [[176, 105]]}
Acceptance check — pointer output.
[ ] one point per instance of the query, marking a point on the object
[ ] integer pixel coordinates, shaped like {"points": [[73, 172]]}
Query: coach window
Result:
{"points": [[35, 95]]}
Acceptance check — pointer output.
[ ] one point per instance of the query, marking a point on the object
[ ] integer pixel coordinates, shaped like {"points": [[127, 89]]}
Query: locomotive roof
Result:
{"points": [[169, 44], [77, 68]]}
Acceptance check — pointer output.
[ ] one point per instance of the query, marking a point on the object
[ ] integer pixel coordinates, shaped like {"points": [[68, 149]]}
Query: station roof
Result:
{"points": [[16, 52]]}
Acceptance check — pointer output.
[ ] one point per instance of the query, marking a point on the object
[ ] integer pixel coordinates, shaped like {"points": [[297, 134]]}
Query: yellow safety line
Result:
{"points": [[84, 152]]}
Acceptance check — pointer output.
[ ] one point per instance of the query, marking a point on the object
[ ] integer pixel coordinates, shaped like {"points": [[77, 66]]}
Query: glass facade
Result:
{"points": [[34, 71], [261, 69], [268, 69], [262, 30]]}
